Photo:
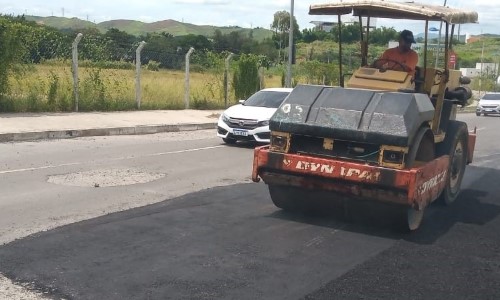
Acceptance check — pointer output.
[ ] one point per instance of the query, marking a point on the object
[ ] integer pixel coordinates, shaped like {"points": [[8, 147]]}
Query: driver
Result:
{"points": [[403, 54]]}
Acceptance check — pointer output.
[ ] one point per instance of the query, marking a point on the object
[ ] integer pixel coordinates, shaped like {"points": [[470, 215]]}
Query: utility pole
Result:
{"points": [[481, 74], [290, 49], [439, 40]]}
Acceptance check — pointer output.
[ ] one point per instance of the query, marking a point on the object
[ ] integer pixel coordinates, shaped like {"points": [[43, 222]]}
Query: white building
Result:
{"points": [[470, 72], [488, 68]]}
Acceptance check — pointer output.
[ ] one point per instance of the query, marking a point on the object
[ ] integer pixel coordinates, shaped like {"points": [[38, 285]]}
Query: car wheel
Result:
{"points": [[478, 114], [229, 141]]}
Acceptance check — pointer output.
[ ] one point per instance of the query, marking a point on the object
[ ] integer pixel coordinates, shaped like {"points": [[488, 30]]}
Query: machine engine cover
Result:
{"points": [[377, 117]]}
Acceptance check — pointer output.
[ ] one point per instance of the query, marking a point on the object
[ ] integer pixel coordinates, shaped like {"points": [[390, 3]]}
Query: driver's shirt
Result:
{"points": [[410, 58]]}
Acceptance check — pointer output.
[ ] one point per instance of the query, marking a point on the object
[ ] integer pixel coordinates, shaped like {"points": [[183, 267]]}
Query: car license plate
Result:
{"points": [[240, 132], [488, 110]]}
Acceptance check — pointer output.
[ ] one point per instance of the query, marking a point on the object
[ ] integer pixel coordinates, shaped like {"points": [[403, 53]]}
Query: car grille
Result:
{"points": [[264, 135], [489, 106], [249, 138], [221, 130], [242, 123]]}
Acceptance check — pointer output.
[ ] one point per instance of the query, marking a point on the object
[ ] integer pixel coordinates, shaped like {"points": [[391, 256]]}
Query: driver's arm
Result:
{"points": [[379, 63]]}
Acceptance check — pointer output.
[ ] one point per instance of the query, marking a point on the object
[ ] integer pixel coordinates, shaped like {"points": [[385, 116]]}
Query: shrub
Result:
{"points": [[153, 66], [246, 78]]}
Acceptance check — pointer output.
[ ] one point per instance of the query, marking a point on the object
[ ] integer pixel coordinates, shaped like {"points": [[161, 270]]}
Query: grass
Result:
{"points": [[49, 88]]}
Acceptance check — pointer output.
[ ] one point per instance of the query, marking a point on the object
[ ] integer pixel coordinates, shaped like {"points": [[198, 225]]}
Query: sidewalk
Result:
{"points": [[34, 126]]}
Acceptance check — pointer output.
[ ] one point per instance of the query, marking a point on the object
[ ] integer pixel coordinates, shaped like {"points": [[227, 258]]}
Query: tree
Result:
{"points": [[382, 36], [120, 44], [235, 41], [281, 28], [198, 42], [94, 46], [163, 48], [12, 50], [221, 41], [266, 48], [350, 33], [311, 35]]}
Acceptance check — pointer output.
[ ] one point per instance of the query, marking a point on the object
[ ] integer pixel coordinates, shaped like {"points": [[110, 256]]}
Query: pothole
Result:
{"points": [[105, 178]]}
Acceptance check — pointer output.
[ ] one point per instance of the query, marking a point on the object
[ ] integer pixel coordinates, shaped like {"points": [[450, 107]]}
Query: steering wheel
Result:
{"points": [[391, 65]]}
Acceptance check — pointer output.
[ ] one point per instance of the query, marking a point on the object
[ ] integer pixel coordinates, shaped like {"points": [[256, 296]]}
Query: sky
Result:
{"points": [[243, 13]]}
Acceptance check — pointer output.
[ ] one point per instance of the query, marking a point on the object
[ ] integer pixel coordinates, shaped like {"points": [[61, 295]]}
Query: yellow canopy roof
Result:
{"points": [[395, 10]]}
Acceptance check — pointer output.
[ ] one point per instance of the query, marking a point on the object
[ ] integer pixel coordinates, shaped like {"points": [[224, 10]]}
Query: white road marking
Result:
{"points": [[39, 168], [487, 155], [112, 159]]}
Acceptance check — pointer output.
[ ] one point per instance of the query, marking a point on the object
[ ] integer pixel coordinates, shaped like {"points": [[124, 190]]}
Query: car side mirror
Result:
{"points": [[241, 101]]}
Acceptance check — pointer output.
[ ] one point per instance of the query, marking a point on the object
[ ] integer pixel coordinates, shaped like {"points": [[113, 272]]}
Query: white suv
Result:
{"points": [[488, 104]]}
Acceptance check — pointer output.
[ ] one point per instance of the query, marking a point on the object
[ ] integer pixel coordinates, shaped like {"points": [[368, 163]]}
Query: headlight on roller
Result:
{"points": [[392, 156], [280, 141]]}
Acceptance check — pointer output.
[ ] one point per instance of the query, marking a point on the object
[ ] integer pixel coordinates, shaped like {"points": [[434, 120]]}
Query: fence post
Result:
{"points": [[261, 78], [138, 74], [186, 85], [226, 78], [74, 49]]}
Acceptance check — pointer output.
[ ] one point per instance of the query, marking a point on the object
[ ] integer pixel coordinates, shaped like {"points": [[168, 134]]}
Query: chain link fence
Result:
{"points": [[144, 78]]}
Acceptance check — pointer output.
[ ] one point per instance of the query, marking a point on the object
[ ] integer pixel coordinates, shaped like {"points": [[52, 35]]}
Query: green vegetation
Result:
{"points": [[35, 65], [246, 78], [50, 88]]}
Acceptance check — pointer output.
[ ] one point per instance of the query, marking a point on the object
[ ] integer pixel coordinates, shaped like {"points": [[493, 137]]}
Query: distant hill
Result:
{"points": [[61, 23], [138, 28]]}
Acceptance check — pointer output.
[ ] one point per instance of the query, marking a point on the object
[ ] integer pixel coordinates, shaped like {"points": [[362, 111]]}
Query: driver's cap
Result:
{"points": [[407, 36]]}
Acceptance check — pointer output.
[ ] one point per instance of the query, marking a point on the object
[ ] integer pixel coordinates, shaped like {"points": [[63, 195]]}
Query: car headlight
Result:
{"points": [[264, 123], [225, 118]]}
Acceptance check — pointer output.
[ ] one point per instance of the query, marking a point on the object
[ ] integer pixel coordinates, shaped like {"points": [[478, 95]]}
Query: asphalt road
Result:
{"points": [[227, 241]]}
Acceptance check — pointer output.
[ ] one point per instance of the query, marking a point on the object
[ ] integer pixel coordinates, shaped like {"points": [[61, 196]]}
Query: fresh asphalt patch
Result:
{"points": [[232, 243], [454, 255], [222, 243]]}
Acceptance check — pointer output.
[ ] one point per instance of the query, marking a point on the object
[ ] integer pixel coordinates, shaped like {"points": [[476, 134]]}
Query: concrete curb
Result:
{"points": [[67, 134], [466, 110]]}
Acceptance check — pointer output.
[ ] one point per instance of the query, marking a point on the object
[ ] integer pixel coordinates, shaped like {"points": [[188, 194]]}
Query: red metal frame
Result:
{"points": [[415, 187], [471, 146]]}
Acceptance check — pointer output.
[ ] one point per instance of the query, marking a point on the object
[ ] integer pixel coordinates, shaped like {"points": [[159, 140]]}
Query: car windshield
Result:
{"points": [[491, 97], [266, 99]]}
